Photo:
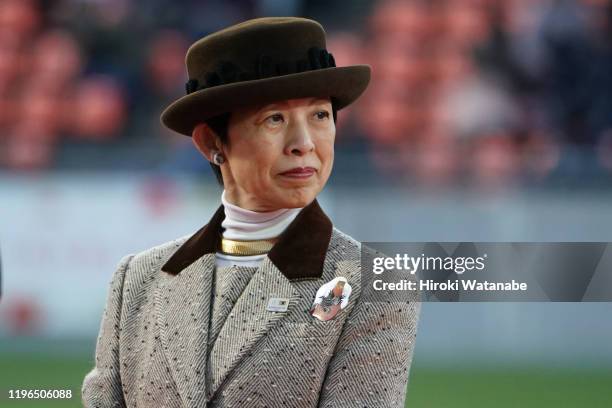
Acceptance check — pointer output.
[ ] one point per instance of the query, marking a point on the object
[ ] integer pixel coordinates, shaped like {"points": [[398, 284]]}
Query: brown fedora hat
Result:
{"points": [[261, 61]]}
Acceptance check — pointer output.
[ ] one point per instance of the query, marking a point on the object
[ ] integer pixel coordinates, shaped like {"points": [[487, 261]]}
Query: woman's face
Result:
{"points": [[279, 155]]}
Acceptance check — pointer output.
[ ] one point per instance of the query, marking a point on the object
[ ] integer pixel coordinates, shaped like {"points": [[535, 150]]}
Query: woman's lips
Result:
{"points": [[299, 172]]}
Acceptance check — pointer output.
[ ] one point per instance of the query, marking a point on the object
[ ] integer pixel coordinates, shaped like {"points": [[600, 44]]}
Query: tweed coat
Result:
{"points": [[151, 349]]}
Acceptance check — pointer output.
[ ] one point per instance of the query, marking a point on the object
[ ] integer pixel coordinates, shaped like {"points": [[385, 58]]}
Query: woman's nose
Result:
{"points": [[300, 141]]}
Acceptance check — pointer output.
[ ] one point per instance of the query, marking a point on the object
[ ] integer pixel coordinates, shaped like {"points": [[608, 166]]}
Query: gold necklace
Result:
{"points": [[245, 248]]}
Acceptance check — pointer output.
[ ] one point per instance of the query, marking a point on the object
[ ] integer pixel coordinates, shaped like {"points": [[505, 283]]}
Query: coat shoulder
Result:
{"points": [[144, 268], [159, 253], [354, 249]]}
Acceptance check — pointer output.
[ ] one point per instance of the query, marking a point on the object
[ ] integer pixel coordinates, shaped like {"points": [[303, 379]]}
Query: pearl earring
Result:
{"points": [[218, 158]]}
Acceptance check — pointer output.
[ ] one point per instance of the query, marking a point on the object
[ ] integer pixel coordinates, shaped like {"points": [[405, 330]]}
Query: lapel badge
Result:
{"points": [[278, 304], [332, 297]]}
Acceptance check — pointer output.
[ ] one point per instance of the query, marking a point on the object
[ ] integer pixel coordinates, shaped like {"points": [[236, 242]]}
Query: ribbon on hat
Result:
{"points": [[227, 72]]}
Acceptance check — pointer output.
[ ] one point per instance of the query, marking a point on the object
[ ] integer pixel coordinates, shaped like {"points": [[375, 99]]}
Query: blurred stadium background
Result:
{"points": [[486, 120]]}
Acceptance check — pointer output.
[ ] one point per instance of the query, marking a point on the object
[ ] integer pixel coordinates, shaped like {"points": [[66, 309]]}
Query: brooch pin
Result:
{"points": [[332, 297]]}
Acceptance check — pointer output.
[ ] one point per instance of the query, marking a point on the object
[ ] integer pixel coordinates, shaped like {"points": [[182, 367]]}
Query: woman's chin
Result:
{"points": [[297, 197]]}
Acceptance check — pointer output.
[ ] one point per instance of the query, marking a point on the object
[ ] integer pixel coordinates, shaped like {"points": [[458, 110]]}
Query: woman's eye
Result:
{"points": [[275, 119], [322, 115]]}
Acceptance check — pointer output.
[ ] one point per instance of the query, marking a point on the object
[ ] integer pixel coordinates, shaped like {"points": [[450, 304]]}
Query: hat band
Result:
{"points": [[227, 72]]}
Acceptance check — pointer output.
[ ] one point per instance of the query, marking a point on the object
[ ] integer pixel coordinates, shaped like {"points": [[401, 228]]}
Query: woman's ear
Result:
{"points": [[205, 140]]}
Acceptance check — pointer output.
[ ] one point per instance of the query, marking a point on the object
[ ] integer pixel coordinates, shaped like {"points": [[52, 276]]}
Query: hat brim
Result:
{"points": [[344, 84]]}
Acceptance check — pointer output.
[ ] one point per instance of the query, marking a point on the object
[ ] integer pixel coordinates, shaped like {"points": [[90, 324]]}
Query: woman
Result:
{"points": [[262, 306]]}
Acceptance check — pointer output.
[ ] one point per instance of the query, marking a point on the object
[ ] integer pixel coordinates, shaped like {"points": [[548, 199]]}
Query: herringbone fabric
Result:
{"points": [[229, 283], [152, 348]]}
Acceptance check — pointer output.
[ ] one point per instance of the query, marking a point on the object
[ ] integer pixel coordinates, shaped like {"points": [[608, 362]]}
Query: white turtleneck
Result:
{"points": [[246, 225]]}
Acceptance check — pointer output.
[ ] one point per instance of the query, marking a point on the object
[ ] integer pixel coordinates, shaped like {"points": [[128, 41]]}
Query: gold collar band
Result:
{"points": [[245, 248]]}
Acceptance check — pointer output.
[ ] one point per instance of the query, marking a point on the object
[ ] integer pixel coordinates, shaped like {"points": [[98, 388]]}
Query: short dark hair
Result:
{"points": [[220, 125]]}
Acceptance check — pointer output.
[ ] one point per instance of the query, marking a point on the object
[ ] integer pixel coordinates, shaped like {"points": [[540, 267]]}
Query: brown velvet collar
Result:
{"points": [[298, 253]]}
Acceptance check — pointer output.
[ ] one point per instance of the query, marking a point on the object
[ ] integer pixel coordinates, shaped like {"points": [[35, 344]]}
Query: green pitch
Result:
{"points": [[509, 388], [436, 388]]}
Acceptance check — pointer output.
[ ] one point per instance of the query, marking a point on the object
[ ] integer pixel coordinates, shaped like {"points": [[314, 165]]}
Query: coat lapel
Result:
{"points": [[183, 310], [248, 321]]}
